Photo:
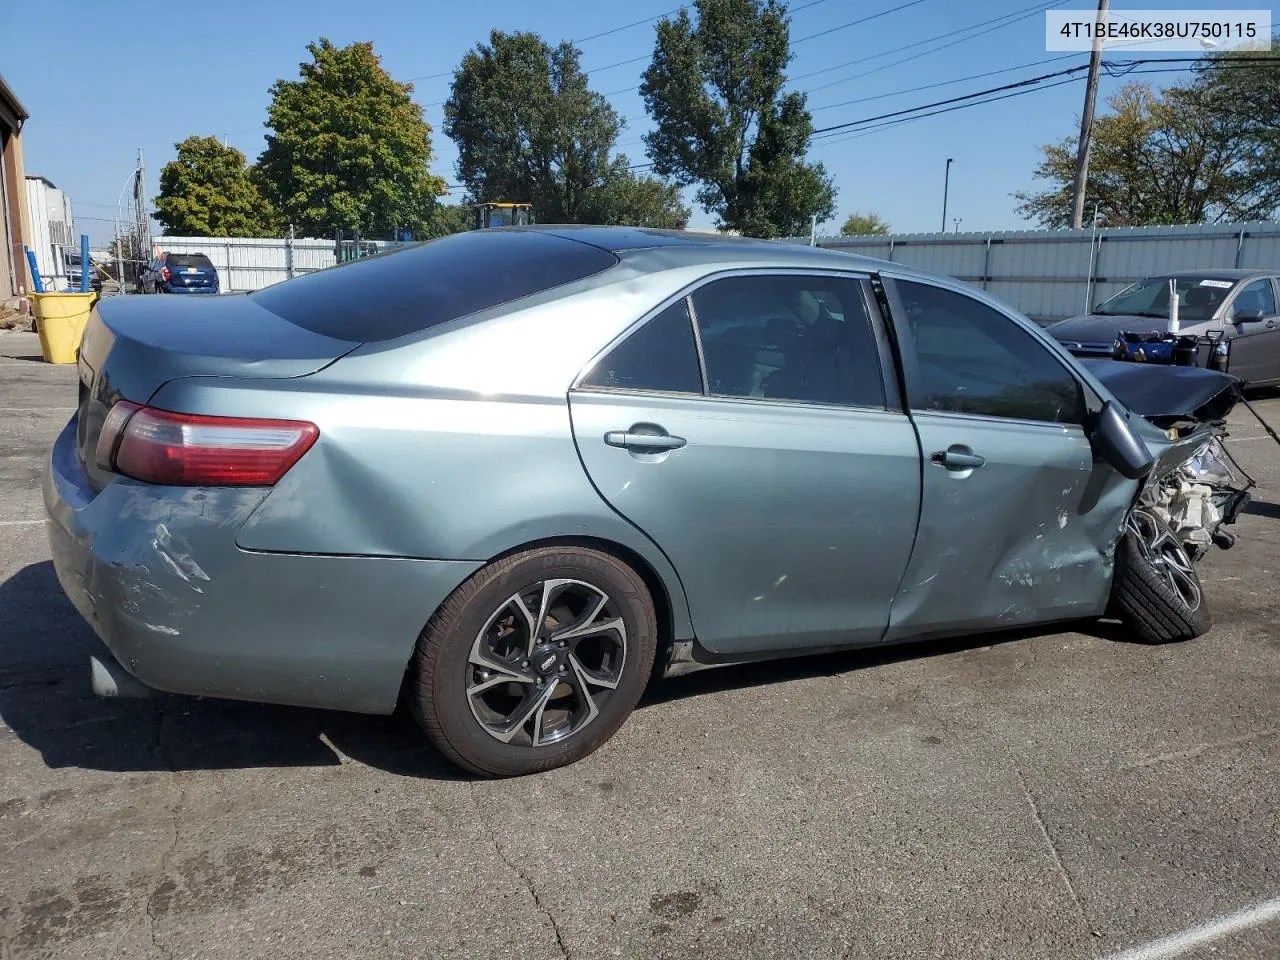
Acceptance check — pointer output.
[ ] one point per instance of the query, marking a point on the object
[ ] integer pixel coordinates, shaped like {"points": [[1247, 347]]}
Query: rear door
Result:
{"points": [[757, 446], [1017, 521], [1255, 344]]}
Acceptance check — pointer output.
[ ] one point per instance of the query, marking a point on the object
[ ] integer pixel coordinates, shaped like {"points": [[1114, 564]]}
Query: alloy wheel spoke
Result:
{"points": [[534, 703], [589, 629], [581, 688], [591, 677]]}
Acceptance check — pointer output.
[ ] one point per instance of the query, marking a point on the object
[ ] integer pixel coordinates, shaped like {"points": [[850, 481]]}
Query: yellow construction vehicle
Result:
{"points": [[503, 215]]}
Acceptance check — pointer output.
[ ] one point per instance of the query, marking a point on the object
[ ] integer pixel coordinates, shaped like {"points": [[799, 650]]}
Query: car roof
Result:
{"points": [[687, 247], [1224, 274]]}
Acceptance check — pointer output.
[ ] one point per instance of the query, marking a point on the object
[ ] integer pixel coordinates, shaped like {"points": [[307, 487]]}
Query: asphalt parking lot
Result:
{"points": [[1055, 795]]}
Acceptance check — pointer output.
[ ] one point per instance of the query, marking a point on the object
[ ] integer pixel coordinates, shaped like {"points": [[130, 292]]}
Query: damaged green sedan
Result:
{"points": [[509, 477]]}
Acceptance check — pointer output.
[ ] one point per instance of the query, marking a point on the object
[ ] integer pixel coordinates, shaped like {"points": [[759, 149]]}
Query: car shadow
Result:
{"points": [[764, 672], [1263, 508], [46, 701]]}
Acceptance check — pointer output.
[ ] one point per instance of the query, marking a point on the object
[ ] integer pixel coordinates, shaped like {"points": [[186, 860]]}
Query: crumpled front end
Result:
{"points": [[1200, 494]]}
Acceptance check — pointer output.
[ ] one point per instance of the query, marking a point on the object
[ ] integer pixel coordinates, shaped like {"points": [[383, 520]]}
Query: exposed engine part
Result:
{"points": [[1205, 492]]}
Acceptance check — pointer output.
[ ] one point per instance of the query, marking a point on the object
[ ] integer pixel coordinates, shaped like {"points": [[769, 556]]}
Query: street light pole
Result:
{"points": [[946, 185]]}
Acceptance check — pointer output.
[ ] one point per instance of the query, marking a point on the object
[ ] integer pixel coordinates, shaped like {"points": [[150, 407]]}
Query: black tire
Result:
{"points": [[484, 619], [1156, 591]]}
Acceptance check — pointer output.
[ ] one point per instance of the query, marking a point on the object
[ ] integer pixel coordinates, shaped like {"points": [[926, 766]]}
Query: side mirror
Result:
{"points": [[1117, 443], [1247, 315]]}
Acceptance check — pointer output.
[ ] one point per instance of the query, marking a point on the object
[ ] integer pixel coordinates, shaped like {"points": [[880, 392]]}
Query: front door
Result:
{"points": [[776, 478], [1018, 523], [1255, 336]]}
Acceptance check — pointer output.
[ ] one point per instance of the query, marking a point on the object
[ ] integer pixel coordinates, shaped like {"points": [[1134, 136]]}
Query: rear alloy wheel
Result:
{"points": [[1157, 591], [535, 661]]}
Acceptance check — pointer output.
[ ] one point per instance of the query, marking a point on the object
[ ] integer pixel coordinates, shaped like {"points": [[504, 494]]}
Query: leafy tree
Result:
{"points": [[862, 224], [637, 201], [1243, 86], [1172, 158], [449, 218], [348, 148], [527, 128], [714, 90], [209, 191]]}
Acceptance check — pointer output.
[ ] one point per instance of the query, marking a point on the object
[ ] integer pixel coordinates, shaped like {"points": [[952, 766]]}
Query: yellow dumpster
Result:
{"points": [[60, 320]]}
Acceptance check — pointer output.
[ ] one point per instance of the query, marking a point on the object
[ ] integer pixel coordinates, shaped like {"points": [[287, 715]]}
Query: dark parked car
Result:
{"points": [[179, 273], [1240, 303], [508, 475]]}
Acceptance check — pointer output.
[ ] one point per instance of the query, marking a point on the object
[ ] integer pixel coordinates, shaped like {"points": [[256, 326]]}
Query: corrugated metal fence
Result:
{"points": [[1051, 274], [253, 263]]}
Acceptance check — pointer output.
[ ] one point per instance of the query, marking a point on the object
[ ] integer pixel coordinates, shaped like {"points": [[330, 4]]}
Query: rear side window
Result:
{"points": [[409, 289], [189, 260], [661, 357], [788, 337]]}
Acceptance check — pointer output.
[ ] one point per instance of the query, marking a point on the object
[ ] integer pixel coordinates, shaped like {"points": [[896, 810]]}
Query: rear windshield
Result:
{"points": [[412, 288], [189, 260]]}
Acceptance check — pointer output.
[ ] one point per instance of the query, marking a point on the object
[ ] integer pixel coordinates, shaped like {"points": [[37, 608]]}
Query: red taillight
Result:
{"points": [[188, 450], [164, 273]]}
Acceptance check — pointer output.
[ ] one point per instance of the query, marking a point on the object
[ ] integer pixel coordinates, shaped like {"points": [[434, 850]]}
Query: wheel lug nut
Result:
{"points": [[561, 643], [564, 669], [525, 665]]}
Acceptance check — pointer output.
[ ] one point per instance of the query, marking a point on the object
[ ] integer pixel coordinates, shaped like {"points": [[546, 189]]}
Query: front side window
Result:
{"points": [[973, 359], [1257, 296], [660, 357], [789, 338]]}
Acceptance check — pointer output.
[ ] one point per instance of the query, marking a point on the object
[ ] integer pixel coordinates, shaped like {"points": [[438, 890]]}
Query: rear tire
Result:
{"points": [[498, 710], [1156, 591]]}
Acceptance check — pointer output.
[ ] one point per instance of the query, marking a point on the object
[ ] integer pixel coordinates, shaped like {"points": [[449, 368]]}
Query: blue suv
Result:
{"points": [[179, 273]]}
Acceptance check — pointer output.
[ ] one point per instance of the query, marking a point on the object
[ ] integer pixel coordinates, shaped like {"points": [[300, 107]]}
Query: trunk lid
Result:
{"points": [[132, 346]]}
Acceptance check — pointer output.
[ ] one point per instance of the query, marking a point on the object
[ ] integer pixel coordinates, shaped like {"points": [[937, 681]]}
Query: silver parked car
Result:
{"points": [[510, 475], [1242, 304]]}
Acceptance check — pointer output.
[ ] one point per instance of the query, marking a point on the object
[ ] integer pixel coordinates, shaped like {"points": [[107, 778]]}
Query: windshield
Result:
{"points": [[1198, 298]]}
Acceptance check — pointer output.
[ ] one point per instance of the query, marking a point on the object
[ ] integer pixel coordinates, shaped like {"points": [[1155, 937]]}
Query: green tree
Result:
{"points": [[1175, 157], [448, 218], [209, 191], [714, 90], [1243, 86], [527, 128], [862, 224], [348, 147], [637, 201]]}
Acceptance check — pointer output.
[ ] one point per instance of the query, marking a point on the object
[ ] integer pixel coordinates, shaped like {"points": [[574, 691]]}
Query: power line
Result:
{"points": [[854, 23], [1029, 82], [942, 83], [627, 26], [828, 135], [978, 29]]}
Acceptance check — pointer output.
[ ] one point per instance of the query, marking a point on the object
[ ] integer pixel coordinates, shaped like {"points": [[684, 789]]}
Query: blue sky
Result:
{"points": [[141, 79]]}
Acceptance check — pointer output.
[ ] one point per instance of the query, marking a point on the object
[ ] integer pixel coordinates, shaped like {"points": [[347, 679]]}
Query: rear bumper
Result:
{"points": [[173, 288], [156, 573]]}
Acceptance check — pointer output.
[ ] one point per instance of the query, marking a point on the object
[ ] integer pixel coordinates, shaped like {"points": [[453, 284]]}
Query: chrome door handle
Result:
{"points": [[957, 457], [650, 442]]}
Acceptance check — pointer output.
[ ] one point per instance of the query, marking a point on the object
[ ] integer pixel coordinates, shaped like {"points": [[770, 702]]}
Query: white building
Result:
{"points": [[52, 232]]}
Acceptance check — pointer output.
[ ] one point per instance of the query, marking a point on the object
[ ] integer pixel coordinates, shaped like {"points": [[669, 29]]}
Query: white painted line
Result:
{"points": [[35, 409], [20, 523], [1179, 943]]}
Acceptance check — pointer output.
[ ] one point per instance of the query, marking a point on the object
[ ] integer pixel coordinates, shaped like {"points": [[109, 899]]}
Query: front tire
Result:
{"points": [[534, 662], [1157, 591]]}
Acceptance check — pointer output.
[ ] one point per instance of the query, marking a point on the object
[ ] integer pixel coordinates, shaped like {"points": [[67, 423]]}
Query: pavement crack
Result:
{"points": [[1059, 866], [518, 871], [175, 812]]}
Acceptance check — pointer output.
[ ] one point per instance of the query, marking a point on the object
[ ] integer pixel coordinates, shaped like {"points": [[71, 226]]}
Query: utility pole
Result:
{"points": [[1086, 120], [946, 185]]}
